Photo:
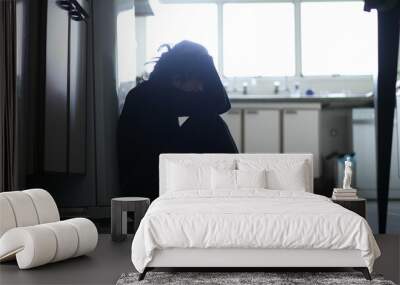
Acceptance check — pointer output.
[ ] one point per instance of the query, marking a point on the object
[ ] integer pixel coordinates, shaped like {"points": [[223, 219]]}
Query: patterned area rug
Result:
{"points": [[243, 278]]}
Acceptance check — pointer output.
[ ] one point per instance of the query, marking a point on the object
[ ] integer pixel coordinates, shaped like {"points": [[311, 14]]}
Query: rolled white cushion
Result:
{"points": [[87, 235], [45, 205], [26, 208], [7, 218], [23, 208], [67, 240], [37, 245], [33, 246]]}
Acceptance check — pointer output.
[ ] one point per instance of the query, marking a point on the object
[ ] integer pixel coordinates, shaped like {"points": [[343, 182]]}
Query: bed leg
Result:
{"points": [[142, 275], [364, 271]]}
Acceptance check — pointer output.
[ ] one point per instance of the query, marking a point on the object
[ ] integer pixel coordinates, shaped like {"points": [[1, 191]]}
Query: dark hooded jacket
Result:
{"points": [[148, 125]]}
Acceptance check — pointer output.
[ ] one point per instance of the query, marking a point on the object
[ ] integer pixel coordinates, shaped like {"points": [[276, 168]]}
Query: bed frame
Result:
{"points": [[241, 259]]}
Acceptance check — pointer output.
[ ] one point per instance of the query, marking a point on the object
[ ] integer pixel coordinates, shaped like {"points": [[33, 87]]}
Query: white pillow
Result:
{"points": [[289, 179], [183, 178], [251, 178], [193, 175], [237, 179], [282, 174], [223, 179]]}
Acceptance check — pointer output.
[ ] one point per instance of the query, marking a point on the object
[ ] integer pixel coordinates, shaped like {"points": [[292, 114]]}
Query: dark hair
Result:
{"points": [[185, 60], [188, 60]]}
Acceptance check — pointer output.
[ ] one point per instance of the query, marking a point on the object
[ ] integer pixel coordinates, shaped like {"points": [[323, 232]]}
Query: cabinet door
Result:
{"points": [[56, 96], [365, 150], [233, 119], [301, 134], [364, 147], [77, 97], [65, 96], [262, 131]]}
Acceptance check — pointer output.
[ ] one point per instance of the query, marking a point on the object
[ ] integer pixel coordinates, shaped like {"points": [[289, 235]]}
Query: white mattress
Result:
{"points": [[252, 219]]}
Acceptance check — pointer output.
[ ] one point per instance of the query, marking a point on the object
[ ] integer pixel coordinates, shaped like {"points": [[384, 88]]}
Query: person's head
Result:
{"points": [[188, 67], [184, 66]]}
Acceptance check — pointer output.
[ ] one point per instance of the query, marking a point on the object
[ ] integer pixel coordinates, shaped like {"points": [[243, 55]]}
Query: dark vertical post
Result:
{"points": [[385, 100]]}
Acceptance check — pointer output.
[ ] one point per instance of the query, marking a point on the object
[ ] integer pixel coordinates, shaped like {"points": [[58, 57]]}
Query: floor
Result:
{"points": [[110, 260], [393, 216]]}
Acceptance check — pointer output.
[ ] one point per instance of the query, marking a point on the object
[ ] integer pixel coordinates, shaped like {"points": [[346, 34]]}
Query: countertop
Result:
{"points": [[328, 100]]}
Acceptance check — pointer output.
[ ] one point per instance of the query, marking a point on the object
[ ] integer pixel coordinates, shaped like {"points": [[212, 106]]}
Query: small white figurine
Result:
{"points": [[348, 172]]}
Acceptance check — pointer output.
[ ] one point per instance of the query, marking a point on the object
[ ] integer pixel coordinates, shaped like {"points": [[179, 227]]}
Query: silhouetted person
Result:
{"points": [[184, 83]]}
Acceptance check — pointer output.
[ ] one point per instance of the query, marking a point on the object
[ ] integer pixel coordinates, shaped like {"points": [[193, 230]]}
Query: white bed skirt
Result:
{"points": [[193, 257]]}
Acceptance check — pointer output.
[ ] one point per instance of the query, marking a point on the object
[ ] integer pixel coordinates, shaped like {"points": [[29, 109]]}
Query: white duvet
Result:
{"points": [[250, 219]]}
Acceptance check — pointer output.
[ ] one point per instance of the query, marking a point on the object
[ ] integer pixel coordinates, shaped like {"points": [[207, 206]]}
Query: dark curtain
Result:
{"points": [[7, 95]]}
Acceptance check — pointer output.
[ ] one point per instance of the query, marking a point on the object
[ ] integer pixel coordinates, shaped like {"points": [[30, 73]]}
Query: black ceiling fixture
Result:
{"points": [[75, 10], [382, 5]]}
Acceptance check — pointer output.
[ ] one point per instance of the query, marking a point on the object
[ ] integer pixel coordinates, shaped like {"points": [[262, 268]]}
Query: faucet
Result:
{"points": [[276, 87]]}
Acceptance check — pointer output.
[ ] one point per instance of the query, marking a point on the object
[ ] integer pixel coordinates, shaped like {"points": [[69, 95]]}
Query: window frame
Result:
{"points": [[297, 34]]}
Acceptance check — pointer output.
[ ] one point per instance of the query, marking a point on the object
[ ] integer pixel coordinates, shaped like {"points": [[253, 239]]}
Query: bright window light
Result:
{"points": [[173, 23], [338, 38], [258, 39], [126, 46]]}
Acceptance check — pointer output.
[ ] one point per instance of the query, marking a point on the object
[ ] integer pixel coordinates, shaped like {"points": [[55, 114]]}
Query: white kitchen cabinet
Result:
{"points": [[233, 119], [262, 132], [301, 134], [365, 150]]}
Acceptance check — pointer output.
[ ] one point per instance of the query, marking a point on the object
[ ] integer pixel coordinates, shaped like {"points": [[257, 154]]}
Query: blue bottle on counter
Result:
{"points": [[310, 92]]}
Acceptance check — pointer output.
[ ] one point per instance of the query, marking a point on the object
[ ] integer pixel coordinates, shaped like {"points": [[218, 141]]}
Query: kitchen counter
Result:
{"points": [[326, 101], [319, 124]]}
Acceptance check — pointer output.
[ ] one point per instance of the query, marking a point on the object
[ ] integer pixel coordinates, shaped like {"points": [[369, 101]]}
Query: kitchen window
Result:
{"points": [[338, 38], [274, 38], [177, 22], [258, 39]]}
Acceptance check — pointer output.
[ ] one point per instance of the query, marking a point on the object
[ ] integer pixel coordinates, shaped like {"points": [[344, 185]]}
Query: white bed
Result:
{"points": [[249, 227]]}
